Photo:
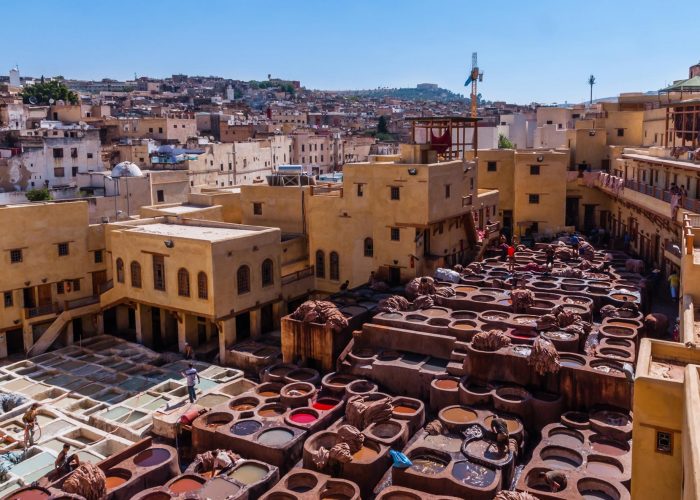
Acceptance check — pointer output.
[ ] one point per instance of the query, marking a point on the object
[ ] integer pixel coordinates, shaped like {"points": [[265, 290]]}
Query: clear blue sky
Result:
{"points": [[529, 50]]}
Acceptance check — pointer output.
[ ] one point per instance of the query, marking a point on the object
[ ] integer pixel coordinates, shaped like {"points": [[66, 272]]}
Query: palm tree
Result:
{"points": [[591, 82]]}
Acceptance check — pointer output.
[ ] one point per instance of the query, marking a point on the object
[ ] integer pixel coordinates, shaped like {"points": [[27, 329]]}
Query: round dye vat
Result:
{"points": [[512, 424], [152, 457], [365, 453], [566, 438], [473, 474], [404, 409], [434, 311], [112, 482], [276, 437], [245, 427], [570, 361], [459, 414], [427, 465], [605, 367], [269, 394], [30, 494], [486, 450], [325, 404], [605, 469], [249, 473], [556, 457], [608, 447], [301, 482], [446, 384], [303, 418], [157, 495], [185, 485], [623, 296]]}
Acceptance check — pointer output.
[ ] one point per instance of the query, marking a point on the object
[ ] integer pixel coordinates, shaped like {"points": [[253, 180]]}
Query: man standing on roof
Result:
{"points": [[192, 378]]}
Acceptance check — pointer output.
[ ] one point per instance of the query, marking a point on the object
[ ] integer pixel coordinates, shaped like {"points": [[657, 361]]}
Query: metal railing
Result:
{"points": [[687, 203], [298, 275]]}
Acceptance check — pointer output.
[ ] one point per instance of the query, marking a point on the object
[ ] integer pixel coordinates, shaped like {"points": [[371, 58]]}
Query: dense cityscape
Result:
{"points": [[219, 288]]}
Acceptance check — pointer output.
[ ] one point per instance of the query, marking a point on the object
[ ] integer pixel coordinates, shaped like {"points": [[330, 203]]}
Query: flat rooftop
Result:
{"points": [[182, 209], [204, 233]]}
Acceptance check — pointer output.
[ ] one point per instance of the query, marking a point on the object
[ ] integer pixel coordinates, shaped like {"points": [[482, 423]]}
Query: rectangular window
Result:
{"points": [[534, 199], [664, 442], [447, 190], [491, 166], [7, 298], [76, 285], [150, 130], [549, 122], [62, 249], [257, 208], [159, 272], [59, 172], [58, 152], [160, 195], [89, 155], [160, 130], [360, 190], [621, 132], [395, 234], [73, 152], [74, 171], [302, 148], [98, 256], [60, 288], [534, 170], [16, 255], [395, 193]]}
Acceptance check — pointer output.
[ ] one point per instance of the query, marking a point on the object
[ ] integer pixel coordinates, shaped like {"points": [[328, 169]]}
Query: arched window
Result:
{"points": [[243, 279], [267, 277], [369, 247], [320, 264], [202, 287], [335, 266], [120, 270], [183, 282], [135, 274]]}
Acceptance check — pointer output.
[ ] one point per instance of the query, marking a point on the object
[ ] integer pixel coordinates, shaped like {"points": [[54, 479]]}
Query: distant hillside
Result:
{"points": [[408, 94]]}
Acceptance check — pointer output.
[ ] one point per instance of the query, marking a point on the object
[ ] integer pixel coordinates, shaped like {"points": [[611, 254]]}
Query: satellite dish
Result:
{"points": [[32, 100], [51, 101]]}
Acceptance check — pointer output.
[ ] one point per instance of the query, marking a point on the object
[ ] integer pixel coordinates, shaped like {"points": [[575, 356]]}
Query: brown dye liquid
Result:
{"points": [[114, 481], [365, 453], [446, 383], [243, 407], [271, 412], [459, 415], [184, 485], [268, 394], [151, 457], [427, 465], [218, 488], [404, 409]]}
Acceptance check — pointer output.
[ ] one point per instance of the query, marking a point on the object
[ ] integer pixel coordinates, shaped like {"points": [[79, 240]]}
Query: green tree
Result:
{"points": [[42, 92], [42, 194], [504, 142], [382, 125]]}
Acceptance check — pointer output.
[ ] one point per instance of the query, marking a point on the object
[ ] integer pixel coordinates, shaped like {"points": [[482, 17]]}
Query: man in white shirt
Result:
{"points": [[192, 378]]}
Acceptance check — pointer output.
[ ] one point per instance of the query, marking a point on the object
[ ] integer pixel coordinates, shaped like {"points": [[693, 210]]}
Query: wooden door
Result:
{"points": [[98, 278], [44, 295]]}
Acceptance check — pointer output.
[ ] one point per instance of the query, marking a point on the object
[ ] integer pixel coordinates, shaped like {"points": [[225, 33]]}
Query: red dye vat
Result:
{"points": [[324, 404], [302, 418]]}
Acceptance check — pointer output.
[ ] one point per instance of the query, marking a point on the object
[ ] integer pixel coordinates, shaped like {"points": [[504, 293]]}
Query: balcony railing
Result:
{"points": [[687, 203], [33, 312], [107, 285], [85, 301], [298, 275]]}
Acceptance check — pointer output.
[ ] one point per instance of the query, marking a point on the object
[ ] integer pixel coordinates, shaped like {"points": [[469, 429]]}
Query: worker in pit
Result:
{"points": [[500, 427], [66, 463], [555, 479], [29, 420]]}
